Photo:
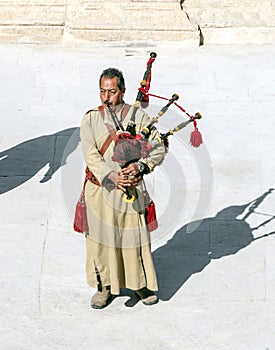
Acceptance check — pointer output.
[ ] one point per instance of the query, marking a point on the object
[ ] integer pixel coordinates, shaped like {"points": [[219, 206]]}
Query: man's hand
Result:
{"points": [[131, 169], [126, 177]]}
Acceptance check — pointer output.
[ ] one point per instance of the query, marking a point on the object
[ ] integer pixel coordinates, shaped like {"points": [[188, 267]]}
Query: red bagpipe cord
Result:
{"points": [[195, 137]]}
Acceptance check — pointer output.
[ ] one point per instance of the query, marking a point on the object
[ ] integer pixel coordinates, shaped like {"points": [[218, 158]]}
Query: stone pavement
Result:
{"points": [[214, 249]]}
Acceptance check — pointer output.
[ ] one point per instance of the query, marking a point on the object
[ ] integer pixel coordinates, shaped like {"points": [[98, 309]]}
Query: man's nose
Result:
{"points": [[106, 95]]}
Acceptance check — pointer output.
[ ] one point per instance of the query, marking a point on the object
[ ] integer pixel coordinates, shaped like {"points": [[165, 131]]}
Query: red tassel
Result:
{"points": [[145, 101], [196, 138], [151, 217], [80, 217], [145, 98]]}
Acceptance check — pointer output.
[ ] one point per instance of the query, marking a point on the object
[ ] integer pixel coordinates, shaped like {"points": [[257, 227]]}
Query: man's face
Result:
{"points": [[109, 91]]}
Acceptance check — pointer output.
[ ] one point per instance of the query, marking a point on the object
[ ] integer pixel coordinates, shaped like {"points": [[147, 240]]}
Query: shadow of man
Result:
{"points": [[21, 162], [188, 253]]}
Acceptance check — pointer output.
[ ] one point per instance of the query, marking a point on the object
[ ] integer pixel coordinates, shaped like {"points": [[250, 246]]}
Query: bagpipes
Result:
{"points": [[130, 146], [143, 96]]}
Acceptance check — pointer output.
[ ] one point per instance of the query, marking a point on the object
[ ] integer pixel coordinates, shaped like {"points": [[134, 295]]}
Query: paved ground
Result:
{"points": [[214, 249]]}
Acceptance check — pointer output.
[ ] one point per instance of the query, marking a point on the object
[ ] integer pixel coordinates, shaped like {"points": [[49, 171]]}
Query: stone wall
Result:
{"points": [[194, 22]]}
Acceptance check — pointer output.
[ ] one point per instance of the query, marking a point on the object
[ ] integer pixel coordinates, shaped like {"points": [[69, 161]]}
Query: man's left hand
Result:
{"points": [[132, 171]]}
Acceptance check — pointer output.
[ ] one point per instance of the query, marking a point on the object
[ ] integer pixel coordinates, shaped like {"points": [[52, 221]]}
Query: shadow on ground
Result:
{"points": [[21, 162], [188, 253], [184, 254]]}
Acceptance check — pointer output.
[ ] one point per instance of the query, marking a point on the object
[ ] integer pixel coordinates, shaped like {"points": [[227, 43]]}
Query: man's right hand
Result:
{"points": [[121, 180]]}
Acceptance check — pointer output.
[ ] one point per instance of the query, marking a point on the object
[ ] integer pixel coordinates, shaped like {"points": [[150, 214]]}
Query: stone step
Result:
{"points": [[128, 21], [190, 21], [129, 16], [31, 34], [32, 21], [32, 14]]}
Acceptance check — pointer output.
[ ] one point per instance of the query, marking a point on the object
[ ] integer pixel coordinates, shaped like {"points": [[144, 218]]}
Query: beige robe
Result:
{"points": [[118, 249]]}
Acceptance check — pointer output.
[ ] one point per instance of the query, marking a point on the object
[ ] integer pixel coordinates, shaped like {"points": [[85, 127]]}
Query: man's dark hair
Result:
{"points": [[111, 73]]}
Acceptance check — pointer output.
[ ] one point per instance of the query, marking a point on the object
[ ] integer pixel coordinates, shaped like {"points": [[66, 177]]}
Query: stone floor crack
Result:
{"points": [[201, 37], [42, 266], [201, 43]]}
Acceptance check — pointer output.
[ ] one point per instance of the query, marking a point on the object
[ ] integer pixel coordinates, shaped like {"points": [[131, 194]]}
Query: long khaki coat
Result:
{"points": [[118, 251]]}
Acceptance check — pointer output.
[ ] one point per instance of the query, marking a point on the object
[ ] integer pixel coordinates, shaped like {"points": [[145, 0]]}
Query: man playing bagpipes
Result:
{"points": [[118, 249]]}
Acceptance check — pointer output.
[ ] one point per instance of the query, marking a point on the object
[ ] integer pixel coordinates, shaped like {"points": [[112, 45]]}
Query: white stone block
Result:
{"points": [[241, 35], [31, 34], [32, 15]]}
